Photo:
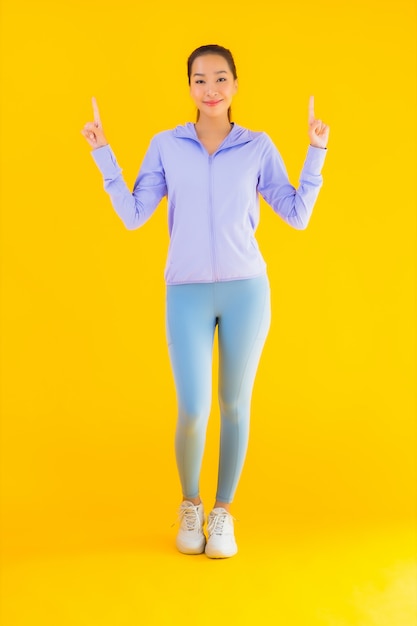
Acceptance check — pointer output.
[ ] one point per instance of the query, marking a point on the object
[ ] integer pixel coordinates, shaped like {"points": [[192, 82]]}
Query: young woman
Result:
{"points": [[212, 173]]}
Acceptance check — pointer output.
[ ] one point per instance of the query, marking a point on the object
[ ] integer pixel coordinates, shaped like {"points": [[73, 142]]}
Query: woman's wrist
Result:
{"points": [[100, 146]]}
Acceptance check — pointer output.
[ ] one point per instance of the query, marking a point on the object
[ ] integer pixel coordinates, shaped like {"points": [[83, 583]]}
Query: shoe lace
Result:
{"points": [[190, 517], [216, 523]]}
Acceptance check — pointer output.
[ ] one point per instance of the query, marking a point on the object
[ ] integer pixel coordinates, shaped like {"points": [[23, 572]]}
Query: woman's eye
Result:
{"points": [[199, 82], [222, 79]]}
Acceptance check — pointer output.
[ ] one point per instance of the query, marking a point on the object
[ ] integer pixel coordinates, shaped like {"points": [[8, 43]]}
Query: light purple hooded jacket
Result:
{"points": [[213, 200]]}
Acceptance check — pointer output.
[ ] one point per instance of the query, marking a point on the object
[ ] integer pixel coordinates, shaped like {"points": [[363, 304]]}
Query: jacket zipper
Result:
{"points": [[211, 219]]}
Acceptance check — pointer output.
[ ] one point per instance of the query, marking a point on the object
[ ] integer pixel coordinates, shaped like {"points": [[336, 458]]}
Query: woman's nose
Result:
{"points": [[211, 90]]}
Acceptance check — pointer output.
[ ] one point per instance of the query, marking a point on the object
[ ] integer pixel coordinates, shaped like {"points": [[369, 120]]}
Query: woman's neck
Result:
{"points": [[206, 127]]}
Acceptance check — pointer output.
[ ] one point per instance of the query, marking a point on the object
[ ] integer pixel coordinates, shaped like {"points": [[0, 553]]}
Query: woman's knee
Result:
{"points": [[234, 409], [193, 416]]}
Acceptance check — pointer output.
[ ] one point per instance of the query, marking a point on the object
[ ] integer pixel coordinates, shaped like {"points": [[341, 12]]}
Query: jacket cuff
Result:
{"points": [[106, 161], [315, 160]]}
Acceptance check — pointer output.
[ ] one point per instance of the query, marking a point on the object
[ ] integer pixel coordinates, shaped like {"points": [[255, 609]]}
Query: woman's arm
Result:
{"points": [[135, 208], [295, 205]]}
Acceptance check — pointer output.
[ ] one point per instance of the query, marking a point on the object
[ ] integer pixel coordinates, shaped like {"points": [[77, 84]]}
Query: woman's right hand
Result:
{"points": [[93, 131]]}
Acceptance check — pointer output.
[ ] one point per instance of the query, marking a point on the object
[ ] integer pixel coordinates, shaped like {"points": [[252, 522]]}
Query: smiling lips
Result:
{"points": [[212, 103]]}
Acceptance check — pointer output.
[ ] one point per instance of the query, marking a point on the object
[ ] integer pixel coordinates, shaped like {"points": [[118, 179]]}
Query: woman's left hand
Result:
{"points": [[317, 130]]}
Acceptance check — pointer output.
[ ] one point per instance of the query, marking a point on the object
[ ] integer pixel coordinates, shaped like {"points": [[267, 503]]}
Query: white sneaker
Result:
{"points": [[191, 538], [221, 539]]}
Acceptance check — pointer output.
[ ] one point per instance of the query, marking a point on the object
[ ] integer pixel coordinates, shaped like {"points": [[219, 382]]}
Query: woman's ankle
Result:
{"points": [[196, 501], [222, 505]]}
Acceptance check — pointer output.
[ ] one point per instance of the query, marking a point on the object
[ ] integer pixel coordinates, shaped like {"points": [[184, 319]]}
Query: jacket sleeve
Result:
{"points": [[295, 206], [136, 207]]}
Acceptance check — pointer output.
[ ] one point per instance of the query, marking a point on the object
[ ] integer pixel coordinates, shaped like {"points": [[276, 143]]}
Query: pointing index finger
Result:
{"points": [[311, 116], [97, 120]]}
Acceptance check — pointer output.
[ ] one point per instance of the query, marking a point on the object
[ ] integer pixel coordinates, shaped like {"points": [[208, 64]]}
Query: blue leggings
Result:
{"points": [[241, 310]]}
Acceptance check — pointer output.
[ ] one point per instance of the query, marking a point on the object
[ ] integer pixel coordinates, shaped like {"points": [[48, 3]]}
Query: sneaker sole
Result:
{"points": [[217, 554], [191, 550]]}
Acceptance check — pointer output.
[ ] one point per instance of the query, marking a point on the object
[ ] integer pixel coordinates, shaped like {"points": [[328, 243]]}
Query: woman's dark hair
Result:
{"points": [[212, 49]]}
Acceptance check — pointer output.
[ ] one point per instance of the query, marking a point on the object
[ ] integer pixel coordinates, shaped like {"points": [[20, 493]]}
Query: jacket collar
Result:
{"points": [[237, 136]]}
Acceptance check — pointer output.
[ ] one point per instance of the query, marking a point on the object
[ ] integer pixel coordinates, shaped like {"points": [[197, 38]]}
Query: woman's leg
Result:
{"points": [[243, 327], [190, 331]]}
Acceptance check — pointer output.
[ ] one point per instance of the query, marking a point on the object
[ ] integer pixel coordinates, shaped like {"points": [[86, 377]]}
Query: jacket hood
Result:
{"points": [[238, 135]]}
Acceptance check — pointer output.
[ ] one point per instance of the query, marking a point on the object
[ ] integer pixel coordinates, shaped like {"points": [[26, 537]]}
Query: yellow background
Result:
{"points": [[327, 502]]}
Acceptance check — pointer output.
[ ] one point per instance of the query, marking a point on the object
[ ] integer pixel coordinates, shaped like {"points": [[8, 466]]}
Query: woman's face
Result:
{"points": [[212, 85]]}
